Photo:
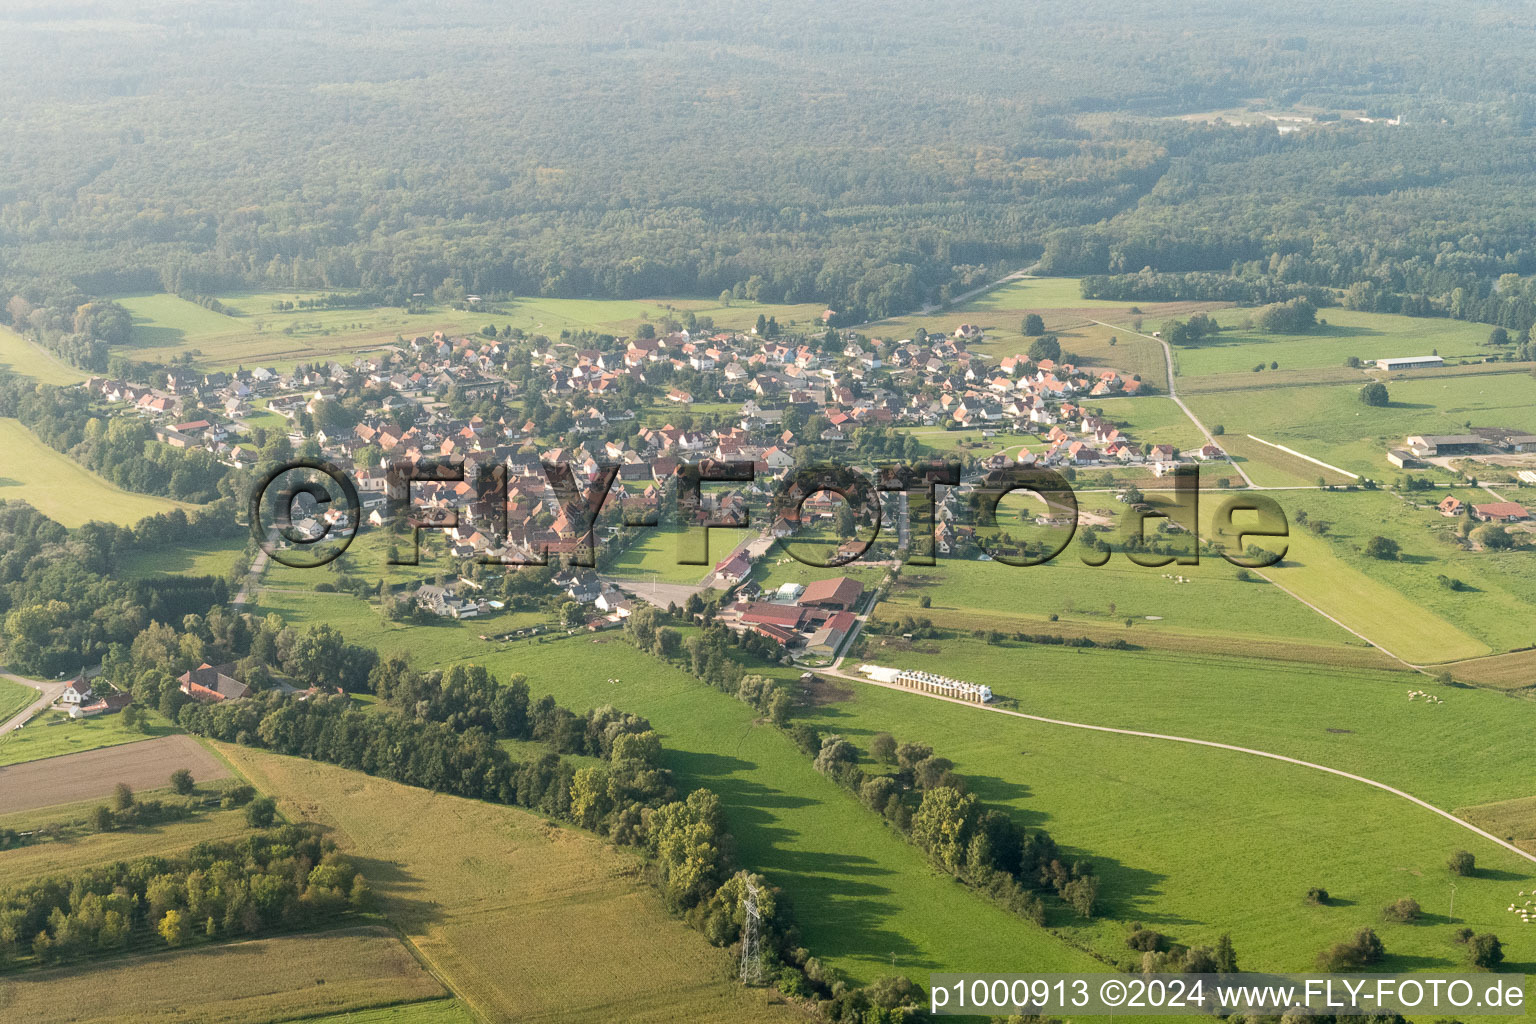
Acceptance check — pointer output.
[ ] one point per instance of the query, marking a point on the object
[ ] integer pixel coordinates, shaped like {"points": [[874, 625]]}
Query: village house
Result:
{"points": [[1500, 512], [211, 684]]}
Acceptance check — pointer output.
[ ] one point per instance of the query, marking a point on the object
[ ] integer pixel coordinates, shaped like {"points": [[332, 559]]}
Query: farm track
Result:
{"points": [[1203, 743], [1174, 394]]}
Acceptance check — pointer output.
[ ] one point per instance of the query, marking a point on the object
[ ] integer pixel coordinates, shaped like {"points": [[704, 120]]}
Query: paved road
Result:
{"points": [[48, 693], [1174, 394], [1205, 743]]}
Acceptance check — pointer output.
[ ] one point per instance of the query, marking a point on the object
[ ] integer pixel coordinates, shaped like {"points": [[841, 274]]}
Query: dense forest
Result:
{"points": [[874, 158]]}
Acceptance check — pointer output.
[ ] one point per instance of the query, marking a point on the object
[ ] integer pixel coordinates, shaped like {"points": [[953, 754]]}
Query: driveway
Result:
{"points": [[48, 691]]}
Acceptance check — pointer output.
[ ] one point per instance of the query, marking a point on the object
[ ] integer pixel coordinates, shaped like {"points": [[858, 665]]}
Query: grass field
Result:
{"points": [[435, 1011], [861, 894], [14, 697], [655, 552], [53, 734], [1515, 820], [49, 857], [1129, 803], [61, 488], [1332, 424], [1368, 336], [1154, 419], [1359, 720], [236, 983], [1193, 841], [1268, 466], [1495, 607], [165, 325], [1214, 601], [197, 558], [1001, 310], [525, 919], [18, 355], [1315, 571], [1132, 804]]}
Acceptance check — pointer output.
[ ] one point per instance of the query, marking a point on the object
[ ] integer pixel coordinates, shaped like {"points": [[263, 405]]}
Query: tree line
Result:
{"points": [[281, 879]]}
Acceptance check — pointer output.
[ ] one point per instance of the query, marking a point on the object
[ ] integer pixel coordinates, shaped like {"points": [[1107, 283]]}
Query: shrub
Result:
{"points": [[181, 781], [1384, 548], [882, 747], [238, 796], [1462, 863], [1317, 896], [1361, 951], [1402, 911], [260, 812], [1375, 394], [1485, 951], [1145, 940]]}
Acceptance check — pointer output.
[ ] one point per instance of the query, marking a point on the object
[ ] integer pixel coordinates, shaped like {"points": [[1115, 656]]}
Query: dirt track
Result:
{"points": [[94, 773]]}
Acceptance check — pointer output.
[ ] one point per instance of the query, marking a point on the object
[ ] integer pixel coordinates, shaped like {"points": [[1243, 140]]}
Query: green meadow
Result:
{"points": [[53, 734], [655, 550], [1495, 606], [1154, 419], [861, 895], [1331, 423], [1359, 720], [14, 697], [18, 355], [1145, 810], [1367, 336], [1023, 598], [194, 558], [1000, 310], [1194, 841], [61, 488]]}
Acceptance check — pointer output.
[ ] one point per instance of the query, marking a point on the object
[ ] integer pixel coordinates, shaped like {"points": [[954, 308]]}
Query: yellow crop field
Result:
{"points": [[236, 983], [524, 918]]}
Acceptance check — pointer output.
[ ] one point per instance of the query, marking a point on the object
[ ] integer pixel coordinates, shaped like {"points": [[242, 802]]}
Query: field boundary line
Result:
{"points": [[1207, 743], [1299, 455], [1173, 393]]}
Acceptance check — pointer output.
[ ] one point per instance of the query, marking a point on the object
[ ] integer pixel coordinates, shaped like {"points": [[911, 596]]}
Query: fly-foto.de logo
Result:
{"points": [[305, 513]]}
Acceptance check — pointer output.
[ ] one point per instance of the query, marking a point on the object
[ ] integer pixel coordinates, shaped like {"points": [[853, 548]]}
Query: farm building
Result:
{"points": [[1404, 459], [113, 701], [1409, 362], [211, 684], [928, 682], [1450, 506], [761, 613], [1445, 444], [1506, 439], [826, 640], [1526, 476], [1500, 512], [840, 594]]}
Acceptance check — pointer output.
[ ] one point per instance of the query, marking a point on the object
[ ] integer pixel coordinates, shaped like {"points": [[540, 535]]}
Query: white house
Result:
{"points": [[77, 691]]}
